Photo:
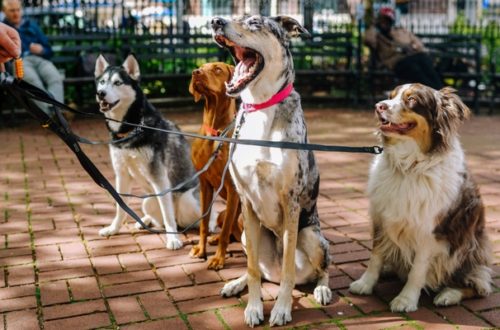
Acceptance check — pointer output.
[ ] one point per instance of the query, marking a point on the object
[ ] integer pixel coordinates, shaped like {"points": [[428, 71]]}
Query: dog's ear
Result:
{"points": [[100, 65], [452, 104], [291, 26], [194, 92], [450, 114], [131, 66]]}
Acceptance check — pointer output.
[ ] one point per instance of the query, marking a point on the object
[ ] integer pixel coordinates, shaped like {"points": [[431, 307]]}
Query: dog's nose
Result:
{"points": [[218, 22], [381, 107], [101, 94], [197, 72]]}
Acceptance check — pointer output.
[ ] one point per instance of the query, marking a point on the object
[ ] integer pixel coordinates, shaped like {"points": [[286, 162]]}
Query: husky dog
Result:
{"points": [[278, 187], [155, 160]]}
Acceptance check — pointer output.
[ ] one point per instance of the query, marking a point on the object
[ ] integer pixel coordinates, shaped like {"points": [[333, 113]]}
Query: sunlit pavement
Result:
{"points": [[57, 273]]}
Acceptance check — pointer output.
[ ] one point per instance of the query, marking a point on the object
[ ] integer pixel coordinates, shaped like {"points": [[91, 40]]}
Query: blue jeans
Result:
{"points": [[43, 74]]}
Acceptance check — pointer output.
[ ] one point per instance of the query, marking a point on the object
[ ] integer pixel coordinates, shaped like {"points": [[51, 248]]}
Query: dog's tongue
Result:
{"points": [[244, 66], [391, 127]]}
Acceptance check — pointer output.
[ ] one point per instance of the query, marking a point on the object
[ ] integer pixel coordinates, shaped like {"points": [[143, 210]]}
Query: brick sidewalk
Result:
{"points": [[57, 273]]}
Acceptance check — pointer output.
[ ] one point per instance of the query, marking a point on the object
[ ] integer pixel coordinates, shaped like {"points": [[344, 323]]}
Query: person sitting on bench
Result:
{"points": [[401, 51], [36, 52]]}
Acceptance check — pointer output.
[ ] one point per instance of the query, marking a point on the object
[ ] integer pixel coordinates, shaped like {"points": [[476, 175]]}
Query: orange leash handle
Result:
{"points": [[18, 68]]}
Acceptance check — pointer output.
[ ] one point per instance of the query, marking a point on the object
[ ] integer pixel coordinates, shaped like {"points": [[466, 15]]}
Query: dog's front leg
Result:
{"points": [[282, 310], [254, 312], [206, 195], [367, 281], [231, 215], [407, 299], [166, 203], [122, 183]]}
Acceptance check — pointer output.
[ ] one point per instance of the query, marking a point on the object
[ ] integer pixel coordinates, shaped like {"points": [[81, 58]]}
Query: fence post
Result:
{"points": [[265, 7], [179, 15], [308, 15]]}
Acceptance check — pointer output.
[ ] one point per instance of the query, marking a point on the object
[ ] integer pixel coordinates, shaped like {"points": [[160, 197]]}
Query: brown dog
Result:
{"points": [[219, 111]]}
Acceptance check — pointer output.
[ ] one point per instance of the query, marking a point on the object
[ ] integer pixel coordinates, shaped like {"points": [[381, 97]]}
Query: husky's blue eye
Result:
{"points": [[118, 83]]}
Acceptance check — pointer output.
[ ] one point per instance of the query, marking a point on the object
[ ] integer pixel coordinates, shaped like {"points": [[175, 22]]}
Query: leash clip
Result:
{"points": [[377, 150]]}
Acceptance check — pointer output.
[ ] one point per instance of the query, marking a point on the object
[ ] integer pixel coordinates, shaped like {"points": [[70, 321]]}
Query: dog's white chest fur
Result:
{"points": [[409, 192], [135, 162], [261, 171]]}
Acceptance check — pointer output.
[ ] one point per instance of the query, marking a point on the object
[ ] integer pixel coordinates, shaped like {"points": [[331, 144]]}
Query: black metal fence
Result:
{"points": [[171, 25], [176, 16]]}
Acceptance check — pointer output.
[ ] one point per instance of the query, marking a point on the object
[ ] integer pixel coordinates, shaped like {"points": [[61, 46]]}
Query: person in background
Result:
{"points": [[35, 52], [10, 44], [401, 51]]}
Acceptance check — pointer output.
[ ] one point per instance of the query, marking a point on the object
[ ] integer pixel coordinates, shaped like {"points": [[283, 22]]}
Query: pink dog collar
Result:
{"points": [[277, 98]]}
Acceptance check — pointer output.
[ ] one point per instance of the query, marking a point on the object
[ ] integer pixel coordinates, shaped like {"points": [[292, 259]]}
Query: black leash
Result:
{"points": [[268, 144]]}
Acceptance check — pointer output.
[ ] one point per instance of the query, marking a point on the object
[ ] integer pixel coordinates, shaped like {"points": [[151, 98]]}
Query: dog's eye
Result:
{"points": [[218, 70], [118, 83], [254, 23], [411, 101]]}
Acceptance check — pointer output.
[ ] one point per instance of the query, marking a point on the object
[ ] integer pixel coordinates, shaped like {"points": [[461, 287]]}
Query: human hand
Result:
{"points": [[10, 44], [36, 49]]}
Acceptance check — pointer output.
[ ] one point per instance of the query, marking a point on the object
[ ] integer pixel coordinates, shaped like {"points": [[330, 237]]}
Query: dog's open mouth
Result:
{"points": [[249, 63], [389, 127], [105, 106]]}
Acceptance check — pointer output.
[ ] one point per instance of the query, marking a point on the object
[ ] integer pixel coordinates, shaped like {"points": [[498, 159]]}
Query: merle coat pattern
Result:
{"points": [[278, 187]]}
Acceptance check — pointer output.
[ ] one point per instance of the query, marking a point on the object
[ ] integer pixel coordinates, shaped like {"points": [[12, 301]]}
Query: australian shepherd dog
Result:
{"points": [[427, 214]]}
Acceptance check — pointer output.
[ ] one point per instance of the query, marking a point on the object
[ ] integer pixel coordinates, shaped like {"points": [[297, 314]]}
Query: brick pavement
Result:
{"points": [[56, 272]]}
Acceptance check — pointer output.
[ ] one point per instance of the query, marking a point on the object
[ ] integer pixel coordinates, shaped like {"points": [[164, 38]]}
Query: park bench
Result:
{"points": [[457, 58], [327, 63]]}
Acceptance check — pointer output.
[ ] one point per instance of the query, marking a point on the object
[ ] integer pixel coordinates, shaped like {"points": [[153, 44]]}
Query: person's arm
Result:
{"points": [[42, 47], [371, 37], [416, 43]]}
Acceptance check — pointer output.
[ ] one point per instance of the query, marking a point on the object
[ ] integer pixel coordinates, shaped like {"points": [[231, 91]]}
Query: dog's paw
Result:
{"points": [[216, 263], [361, 287], [322, 294], [108, 231], [173, 243], [403, 304], [281, 313], [447, 297], [198, 251], [233, 288], [254, 314]]}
